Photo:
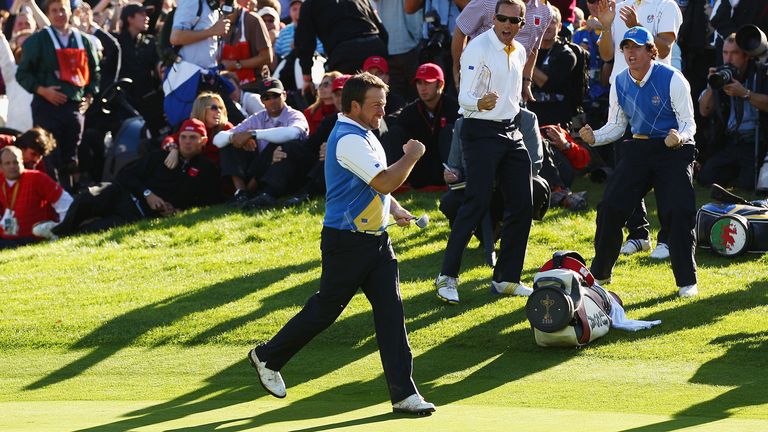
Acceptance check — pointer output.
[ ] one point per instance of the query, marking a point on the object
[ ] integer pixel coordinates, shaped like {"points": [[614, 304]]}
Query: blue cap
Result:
{"points": [[639, 35]]}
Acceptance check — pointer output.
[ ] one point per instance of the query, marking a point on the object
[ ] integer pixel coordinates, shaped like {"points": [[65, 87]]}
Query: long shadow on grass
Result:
{"points": [[123, 330], [742, 366], [238, 383], [749, 382]]}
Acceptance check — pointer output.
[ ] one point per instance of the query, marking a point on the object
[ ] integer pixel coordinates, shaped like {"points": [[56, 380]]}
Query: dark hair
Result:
{"points": [[37, 139], [511, 3], [356, 87], [648, 46], [48, 4]]}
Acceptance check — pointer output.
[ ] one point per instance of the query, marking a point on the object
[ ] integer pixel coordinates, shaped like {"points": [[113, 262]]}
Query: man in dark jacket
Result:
{"points": [[147, 188], [428, 119]]}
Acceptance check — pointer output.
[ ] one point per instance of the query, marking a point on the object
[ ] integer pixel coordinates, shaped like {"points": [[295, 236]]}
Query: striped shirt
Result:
{"points": [[477, 17], [650, 105]]}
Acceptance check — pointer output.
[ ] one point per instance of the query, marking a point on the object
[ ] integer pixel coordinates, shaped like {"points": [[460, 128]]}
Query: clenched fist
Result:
{"points": [[673, 140], [587, 134]]}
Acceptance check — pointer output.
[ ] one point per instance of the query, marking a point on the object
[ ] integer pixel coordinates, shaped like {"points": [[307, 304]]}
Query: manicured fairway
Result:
{"points": [[146, 328]]}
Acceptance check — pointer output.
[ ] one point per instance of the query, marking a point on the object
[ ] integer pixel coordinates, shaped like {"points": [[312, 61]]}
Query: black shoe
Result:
{"points": [[239, 199], [296, 200], [262, 200]]}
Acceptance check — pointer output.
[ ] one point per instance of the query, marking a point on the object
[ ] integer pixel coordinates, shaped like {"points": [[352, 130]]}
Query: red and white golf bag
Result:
{"points": [[567, 307]]}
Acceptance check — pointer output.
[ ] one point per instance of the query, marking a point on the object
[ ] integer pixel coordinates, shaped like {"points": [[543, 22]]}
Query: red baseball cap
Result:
{"points": [[194, 125], [376, 62], [339, 82], [429, 72]]}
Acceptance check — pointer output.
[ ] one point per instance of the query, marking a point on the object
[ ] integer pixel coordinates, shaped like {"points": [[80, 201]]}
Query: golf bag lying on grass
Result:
{"points": [[732, 225], [568, 308]]}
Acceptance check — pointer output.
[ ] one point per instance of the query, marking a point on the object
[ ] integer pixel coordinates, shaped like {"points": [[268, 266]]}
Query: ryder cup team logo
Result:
{"points": [[728, 236], [649, 18], [656, 100]]}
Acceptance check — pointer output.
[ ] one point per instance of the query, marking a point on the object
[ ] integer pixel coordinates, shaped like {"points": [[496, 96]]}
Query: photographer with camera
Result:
{"points": [[736, 99]]}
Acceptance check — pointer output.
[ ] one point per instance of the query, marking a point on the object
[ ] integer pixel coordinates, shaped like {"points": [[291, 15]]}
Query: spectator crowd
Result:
{"points": [[116, 110]]}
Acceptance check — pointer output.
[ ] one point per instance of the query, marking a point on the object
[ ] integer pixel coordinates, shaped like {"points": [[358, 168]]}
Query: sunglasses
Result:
{"points": [[592, 1], [325, 83], [269, 96], [215, 107], [512, 20]]}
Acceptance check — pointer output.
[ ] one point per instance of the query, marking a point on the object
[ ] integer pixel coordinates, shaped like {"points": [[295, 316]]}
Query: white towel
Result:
{"points": [[619, 319]]}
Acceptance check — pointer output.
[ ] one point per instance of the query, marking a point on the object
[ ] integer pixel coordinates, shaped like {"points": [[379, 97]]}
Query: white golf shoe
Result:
{"points": [[660, 252], [510, 289], [688, 291], [447, 289], [269, 379], [414, 404], [633, 246]]}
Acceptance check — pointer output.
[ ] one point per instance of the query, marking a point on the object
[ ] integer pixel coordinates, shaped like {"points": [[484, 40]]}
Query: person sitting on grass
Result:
{"points": [[147, 188], [27, 197], [563, 159], [209, 108]]}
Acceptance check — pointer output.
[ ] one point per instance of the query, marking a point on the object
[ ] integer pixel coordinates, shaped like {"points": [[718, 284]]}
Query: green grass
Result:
{"points": [[146, 327]]}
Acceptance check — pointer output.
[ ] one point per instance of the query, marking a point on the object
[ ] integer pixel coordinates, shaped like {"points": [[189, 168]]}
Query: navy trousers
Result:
{"points": [[493, 152], [350, 261], [650, 164]]}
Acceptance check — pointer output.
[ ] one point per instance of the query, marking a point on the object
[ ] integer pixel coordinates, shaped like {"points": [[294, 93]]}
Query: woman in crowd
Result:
{"points": [[323, 105]]}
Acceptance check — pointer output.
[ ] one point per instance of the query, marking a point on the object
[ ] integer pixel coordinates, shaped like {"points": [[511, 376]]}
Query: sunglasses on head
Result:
{"points": [[215, 107], [512, 19]]}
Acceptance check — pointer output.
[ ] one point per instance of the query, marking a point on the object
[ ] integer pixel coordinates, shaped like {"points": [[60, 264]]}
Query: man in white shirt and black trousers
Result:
{"points": [[490, 96], [655, 100], [356, 250]]}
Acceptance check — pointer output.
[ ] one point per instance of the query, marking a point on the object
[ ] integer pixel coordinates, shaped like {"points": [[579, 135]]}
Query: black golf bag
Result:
{"points": [[567, 307], [732, 226]]}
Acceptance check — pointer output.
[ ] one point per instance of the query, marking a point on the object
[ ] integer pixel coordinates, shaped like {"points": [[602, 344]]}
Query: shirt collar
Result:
{"points": [[344, 119], [496, 42], [646, 77]]}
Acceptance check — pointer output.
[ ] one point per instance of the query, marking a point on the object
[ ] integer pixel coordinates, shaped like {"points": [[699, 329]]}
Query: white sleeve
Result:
{"points": [[7, 62], [280, 135], [356, 155], [471, 62], [617, 122], [670, 18], [62, 204], [682, 105], [222, 139]]}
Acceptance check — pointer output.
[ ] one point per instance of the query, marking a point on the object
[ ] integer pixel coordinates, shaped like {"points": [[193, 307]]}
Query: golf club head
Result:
{"points": [[423, 221]]}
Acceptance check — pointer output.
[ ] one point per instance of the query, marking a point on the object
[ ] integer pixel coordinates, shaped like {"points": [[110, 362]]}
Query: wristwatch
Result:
{"points": [[147, 193], [238, 65], [254, 135], [747, 95]]}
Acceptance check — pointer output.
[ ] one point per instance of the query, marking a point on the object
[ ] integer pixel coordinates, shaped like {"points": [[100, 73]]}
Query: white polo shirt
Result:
{"points": [[486, 52]]}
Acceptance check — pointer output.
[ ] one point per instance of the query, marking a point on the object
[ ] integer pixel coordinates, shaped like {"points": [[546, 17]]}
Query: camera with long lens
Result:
{"points": [[438, 39], [723, 75]]}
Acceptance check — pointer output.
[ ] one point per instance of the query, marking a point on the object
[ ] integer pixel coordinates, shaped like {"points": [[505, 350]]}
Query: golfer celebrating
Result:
{"points": [[655, 100], [356, 251]]}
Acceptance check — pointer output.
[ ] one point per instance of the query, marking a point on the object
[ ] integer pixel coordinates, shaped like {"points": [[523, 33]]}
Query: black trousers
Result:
{"points": [[733, 164], [650, 164], [65, 122], [100, 208], [348, 56], [493, 152], [350, 261]]}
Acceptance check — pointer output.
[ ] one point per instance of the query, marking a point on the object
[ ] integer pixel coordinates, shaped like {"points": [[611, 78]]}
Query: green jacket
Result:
{"points": [[39, 62]]}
